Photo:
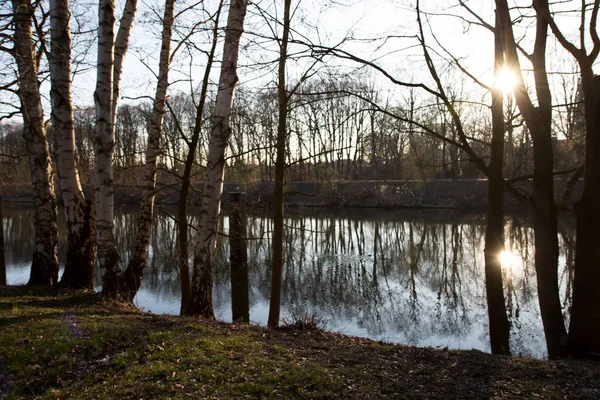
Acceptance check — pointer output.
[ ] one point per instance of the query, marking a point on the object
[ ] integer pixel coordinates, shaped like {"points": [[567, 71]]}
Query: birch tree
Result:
{"points": [[44, 267], [182, 223], [109, 67], [133, 273], [103, 145], [81, 240], [201, 299]]}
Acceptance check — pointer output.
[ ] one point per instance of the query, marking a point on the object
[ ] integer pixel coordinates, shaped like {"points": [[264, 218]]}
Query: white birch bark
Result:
{"points": [[201, 300], [103, 145], [139, 260], [81, 246], [110, 65], [184, 265], [121, 46], [44, 267]]}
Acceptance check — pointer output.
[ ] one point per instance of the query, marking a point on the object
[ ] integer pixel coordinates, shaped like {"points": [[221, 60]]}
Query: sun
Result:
{"points": [[511, 262], [505, 80]]}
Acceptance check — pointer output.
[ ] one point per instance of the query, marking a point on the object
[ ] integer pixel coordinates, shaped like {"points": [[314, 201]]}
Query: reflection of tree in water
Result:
{"points": [[19, 235], [371, 272], [162, 274], [447, 278], [414, 278], [567, 250]]}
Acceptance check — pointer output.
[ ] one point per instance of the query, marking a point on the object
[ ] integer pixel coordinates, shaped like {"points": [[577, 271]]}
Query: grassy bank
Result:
{"points": [[57, 344]]}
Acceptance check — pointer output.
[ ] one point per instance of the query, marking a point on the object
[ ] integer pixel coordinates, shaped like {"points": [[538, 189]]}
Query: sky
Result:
{"points": [[361, 24], [323, 22]]}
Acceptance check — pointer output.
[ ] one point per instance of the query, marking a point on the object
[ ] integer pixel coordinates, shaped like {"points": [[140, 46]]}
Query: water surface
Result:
{"points": [[401, 276]]}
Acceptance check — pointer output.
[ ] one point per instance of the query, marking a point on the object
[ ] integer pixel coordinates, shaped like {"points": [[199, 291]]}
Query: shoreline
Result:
{"points": [[463, 195]]}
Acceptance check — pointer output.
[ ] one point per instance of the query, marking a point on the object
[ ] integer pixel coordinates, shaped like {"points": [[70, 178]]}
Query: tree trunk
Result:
{"points": [[277, 244], [201, 300], [109, 67], [539, 122], [184, 266], [584, 331], [494, 233], [133, 273], [81, 240], [584, 328], [108, 255], [120, 49], [238, 252], [546, 256], [2, 258], [44, 267]]}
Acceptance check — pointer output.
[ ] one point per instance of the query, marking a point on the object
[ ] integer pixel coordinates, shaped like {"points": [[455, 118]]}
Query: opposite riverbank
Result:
{"points": [[466, 194], [62, 344]]}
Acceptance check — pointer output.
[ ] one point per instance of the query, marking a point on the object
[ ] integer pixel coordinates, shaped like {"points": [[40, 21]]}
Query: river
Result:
{"points": [[400, 276]]}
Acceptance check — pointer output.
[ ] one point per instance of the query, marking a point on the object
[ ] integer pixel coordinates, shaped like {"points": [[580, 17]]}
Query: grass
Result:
{"points": [[57, 344]]}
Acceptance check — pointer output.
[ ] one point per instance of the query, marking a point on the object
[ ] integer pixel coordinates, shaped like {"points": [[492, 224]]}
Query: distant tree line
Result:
{"points": [[333, 136]]}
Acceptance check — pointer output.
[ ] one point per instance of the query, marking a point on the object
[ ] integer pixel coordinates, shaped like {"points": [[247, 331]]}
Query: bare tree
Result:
{"points": [[103, 145], [539, 122], [584, 329], [201, 300], [182, 221], [139, 260], [280, 146], [109, 67], [494, 234], [81, 240], [44, 268]]}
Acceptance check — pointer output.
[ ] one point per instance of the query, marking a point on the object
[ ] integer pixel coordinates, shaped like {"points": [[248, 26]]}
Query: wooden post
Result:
{"points": [[238, 258]]}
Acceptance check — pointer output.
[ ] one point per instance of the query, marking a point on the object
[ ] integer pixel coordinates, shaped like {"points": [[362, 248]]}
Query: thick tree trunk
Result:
{"points": [[201, 301], [184, 266], [494, 234], [135, 268], [584, 331], [584, 328], [81, 240], [110, 64], [108, 255], [280, 145], [44, 267]]}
